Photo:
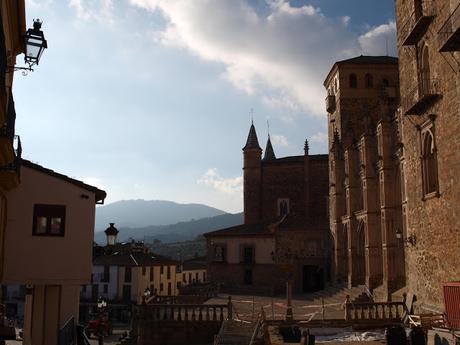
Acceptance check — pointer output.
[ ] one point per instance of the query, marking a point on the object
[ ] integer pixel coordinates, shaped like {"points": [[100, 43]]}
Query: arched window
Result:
{"points": [[283, 207], [369, 81], [429, 166], [353, 81], [425, 70]]}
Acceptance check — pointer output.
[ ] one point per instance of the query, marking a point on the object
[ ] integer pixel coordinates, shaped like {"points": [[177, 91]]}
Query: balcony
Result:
{"points": [[417, 24], [449, 34], [418, 99], [10, 172], [330, 103]]}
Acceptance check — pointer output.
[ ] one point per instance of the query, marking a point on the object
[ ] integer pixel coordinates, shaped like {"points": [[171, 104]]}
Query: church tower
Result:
{"points": [[252, 176]]}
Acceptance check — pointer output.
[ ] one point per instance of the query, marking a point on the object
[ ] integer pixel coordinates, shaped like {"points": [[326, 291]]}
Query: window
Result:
{"points": [[178, 285], [126, 293], [106, 288], [49, 220], [424, 71], [161, 269], [189, 278], [168, 272], [161, 287], [169, 289], [151, 274], [353, 81], [283, 207], [219, 253], [204, 277], [197, 279], [429, 161], [144, 270], [184, 278], [106, 274], [127, 274], [248, 254], [369, 81]]}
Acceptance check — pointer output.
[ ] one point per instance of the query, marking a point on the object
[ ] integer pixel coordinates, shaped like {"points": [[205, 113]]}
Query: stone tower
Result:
{"points": [[252, 176], [365, 200]]}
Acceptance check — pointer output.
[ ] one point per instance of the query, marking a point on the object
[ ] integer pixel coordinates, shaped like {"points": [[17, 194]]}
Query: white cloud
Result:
{"points": [[38, 3], [213, 179], [285, 54], [319, 137], [377, 39], [279, 140], [100, 11], [93, 181]]}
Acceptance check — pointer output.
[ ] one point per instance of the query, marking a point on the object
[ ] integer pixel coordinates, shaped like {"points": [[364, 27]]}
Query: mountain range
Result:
{"points": [[161, 220], [142, 213]]}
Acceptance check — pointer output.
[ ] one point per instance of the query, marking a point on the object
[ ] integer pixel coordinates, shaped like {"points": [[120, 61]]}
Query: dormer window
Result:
{"points": [[283, 207]]}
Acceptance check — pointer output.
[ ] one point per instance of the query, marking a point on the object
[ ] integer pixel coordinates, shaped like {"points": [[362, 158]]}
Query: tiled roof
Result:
{"points": [[269, 153], [370, 60], [252, 142], [194, 264], [133, 259], [258, 229], [100, 194]]}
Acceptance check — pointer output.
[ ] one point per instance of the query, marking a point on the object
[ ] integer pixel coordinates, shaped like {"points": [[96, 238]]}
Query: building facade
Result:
{"points": [[285, 232], [429, 60], [48, 243], [365, 172]]}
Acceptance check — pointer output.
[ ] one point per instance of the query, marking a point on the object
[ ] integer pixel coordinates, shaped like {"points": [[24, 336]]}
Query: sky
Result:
{"points": [[152, 99]]}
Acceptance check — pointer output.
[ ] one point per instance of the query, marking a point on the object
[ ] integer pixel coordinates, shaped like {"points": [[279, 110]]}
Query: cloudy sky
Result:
{"points": [[151, 99]]}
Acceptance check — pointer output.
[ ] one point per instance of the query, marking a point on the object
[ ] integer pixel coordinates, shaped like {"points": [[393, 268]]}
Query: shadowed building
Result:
{"points": [[429, 60], [365, 172], [285, 230]]}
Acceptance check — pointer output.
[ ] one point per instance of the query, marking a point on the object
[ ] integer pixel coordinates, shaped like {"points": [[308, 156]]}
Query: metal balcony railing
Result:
{"points": [[330, 103], [449, 34], [417, 24], [426, 92]]}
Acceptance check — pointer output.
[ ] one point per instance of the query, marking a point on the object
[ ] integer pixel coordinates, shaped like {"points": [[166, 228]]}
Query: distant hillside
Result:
{"points": [[142, 213], [182, 231]]}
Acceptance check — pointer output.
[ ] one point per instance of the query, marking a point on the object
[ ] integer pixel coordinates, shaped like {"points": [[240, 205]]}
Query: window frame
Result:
{"points": [[278, 204], [428, 129], [49, 211]]}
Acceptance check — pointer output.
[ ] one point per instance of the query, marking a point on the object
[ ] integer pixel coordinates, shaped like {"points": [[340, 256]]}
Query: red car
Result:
{"points": [[100, 325]]}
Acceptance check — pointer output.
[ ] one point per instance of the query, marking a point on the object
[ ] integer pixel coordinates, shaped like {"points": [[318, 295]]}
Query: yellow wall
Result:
{"points": [[202, 273]]}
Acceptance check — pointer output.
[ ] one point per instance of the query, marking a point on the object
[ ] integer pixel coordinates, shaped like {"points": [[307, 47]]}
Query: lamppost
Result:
{"points": [[35, 44], [288, 269], [101, 305]]}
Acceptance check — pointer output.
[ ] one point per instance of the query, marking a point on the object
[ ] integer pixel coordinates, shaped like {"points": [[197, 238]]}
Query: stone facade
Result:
{"points": [[429, 63], [364, 191], [285, 235]]}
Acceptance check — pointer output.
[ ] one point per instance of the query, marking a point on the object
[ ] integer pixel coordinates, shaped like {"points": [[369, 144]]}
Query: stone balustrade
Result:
{"points": [[365, 311]]}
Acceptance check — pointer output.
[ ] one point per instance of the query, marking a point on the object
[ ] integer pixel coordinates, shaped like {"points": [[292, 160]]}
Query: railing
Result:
{"points": [[446, 34], [181, 299], [416, 99], [67, 334], [366, 311], [330, 103], [415, 26], [185, 312]]}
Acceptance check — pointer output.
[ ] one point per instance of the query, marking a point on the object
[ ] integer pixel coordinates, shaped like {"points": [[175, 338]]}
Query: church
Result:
{"points": [[285, 235]]}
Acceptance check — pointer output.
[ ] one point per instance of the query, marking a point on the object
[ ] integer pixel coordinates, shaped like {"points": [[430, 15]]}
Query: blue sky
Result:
{"points": [[151, 98]]}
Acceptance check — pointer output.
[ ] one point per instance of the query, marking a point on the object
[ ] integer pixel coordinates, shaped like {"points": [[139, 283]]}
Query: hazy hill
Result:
{"points": [[142, 213], [182, 231]]}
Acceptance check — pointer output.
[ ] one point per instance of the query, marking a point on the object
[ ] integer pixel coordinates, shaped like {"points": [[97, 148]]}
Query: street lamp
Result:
{"points": [[411, 239], [35, 44]]}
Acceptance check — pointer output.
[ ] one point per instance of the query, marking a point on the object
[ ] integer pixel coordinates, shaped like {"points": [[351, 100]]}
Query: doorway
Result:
{"points": [[248, 277], [312, 278]]}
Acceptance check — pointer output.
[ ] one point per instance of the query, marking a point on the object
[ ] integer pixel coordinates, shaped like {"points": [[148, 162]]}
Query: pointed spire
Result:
{"points": [[252, 142], [269, 153], [306, 147]]}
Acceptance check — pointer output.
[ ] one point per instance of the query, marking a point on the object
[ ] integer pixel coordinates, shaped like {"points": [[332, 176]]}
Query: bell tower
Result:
{"points": [[252, 175]]}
